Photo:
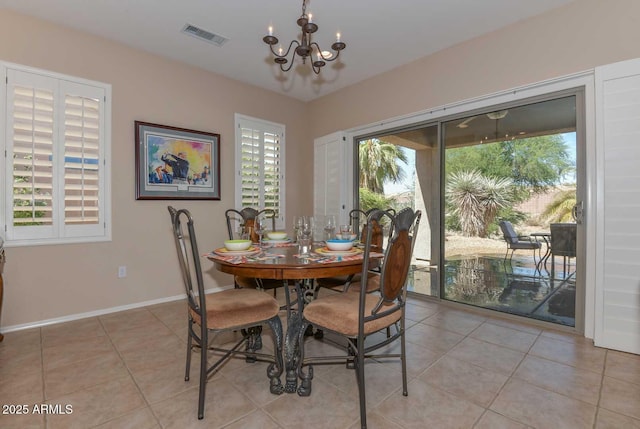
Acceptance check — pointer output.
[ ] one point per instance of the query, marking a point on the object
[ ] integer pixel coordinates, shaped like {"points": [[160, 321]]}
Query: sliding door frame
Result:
{"points": [[580, 82]]}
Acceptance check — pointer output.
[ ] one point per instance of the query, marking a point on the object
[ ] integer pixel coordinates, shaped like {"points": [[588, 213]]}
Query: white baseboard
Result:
{"points": [[78, 316]]}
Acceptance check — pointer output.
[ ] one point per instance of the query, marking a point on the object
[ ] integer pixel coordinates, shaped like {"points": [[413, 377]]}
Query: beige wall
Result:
{"points": [[577, 37], [45, 282], [52, 281]]}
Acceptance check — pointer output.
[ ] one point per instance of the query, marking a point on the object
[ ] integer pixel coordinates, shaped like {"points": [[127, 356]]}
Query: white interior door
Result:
{"points": [[617, 300]]}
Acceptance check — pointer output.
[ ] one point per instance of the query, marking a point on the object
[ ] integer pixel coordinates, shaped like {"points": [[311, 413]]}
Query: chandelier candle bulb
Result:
{"points": [[337, 37], [270, 31]]}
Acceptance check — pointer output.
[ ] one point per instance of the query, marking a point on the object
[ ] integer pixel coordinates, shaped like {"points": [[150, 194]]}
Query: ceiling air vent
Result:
{"points": [[205, 35]]}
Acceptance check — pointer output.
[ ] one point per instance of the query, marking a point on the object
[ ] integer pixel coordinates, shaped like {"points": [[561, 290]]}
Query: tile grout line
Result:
{"points": [[44, 392], [144, 398]]}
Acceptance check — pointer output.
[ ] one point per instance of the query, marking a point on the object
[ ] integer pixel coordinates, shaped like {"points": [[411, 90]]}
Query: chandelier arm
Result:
{"points": [[286, 69], [286, 54], [320, 51]]}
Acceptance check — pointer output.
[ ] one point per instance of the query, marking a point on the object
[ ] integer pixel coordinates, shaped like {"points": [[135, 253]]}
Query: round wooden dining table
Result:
{"points": [[284, 263]]}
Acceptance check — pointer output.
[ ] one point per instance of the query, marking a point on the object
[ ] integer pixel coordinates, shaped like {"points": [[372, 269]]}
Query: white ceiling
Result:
{"points": [[380, 34]]}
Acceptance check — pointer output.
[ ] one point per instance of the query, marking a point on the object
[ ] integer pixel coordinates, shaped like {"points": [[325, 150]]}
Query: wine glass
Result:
{"points": [[259, 227], [329, 227], [297, 226]]}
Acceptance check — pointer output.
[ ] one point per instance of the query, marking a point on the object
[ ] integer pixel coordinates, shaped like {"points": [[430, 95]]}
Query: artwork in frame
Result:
{"points": [[176, 163]]}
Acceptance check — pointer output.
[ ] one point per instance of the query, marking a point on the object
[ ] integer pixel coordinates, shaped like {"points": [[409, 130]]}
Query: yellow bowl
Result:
{"points": [[277, 235], [237, 244]]}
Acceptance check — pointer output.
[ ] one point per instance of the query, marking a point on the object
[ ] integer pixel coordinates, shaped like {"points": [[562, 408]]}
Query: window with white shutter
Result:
{"points": [[260, 165], [55, 144]]}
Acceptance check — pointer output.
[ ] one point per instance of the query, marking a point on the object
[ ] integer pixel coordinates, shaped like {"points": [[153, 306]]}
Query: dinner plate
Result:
{"points": [[326, 252], [223, 251], [285, 240]]}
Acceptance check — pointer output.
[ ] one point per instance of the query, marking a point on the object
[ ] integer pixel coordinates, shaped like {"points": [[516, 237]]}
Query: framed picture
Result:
{"points": [[176, 163]]}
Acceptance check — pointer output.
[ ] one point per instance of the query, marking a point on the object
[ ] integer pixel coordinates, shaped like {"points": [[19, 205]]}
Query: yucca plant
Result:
{"points": [[475, 200]]}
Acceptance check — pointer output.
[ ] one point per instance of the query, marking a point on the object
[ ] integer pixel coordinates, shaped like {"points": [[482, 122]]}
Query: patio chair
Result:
{"points": [[230, 310], [357, 316], [518, 242], [562, 243]]}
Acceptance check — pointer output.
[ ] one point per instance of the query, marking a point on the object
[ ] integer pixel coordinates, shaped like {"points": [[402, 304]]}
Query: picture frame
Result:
{"points": [[176, 163]]}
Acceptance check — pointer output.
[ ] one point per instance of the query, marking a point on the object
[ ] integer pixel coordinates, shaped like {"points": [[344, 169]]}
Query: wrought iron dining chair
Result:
{"points": [[342, 283], [357, 315], [229, 310], [245, 219], [517, 242]]}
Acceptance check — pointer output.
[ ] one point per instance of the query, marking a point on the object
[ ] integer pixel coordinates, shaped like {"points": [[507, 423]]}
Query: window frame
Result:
{"points": [[264, 127], [59, 232]]}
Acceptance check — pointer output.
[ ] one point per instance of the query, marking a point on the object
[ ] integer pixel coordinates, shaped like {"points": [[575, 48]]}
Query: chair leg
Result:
{"points": [[204, 346], [360, 379], [403, 358], [187, 370]]}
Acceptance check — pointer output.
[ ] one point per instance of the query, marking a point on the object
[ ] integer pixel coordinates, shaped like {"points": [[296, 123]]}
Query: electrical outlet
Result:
{"points": [[122, 271]]}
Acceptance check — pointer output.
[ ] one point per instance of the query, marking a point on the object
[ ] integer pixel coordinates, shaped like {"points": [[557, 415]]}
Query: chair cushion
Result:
{"points": [[238, 307], [525, 245], [339, 313]]}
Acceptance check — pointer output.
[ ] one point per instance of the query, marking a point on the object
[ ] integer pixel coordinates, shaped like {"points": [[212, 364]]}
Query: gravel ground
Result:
{"points": [[456, 245]]}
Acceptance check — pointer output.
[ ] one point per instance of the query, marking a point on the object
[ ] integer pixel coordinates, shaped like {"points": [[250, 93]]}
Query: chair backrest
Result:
{"points": [[246, 219], [563, 239], [508, 232], [395, 263], [377, 239], [189, 259]]}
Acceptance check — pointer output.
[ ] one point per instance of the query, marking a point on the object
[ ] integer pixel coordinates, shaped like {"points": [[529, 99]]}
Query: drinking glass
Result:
{"points": [[306, 227], [345, 232], [305, 235]]}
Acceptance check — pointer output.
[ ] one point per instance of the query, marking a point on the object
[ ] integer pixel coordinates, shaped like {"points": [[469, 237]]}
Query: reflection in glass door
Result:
{"points": [[400, 169], [510, 185]]}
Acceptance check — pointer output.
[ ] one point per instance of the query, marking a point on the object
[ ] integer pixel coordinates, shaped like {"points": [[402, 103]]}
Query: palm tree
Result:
{"points": [[560, 209], [379, 162], [476, 199]]}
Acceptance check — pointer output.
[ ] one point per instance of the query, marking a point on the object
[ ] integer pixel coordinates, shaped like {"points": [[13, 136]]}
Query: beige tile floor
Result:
{"points": [[125, 370]]}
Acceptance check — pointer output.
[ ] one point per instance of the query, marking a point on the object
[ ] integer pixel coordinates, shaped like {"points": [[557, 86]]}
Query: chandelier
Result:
{"points": [[305, 48]]}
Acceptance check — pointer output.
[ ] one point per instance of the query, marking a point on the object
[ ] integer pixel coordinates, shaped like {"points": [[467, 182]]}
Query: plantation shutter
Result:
{"points": [[81, 158], [31, 131], [617, 297], [260, 166], [55, 153]]}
